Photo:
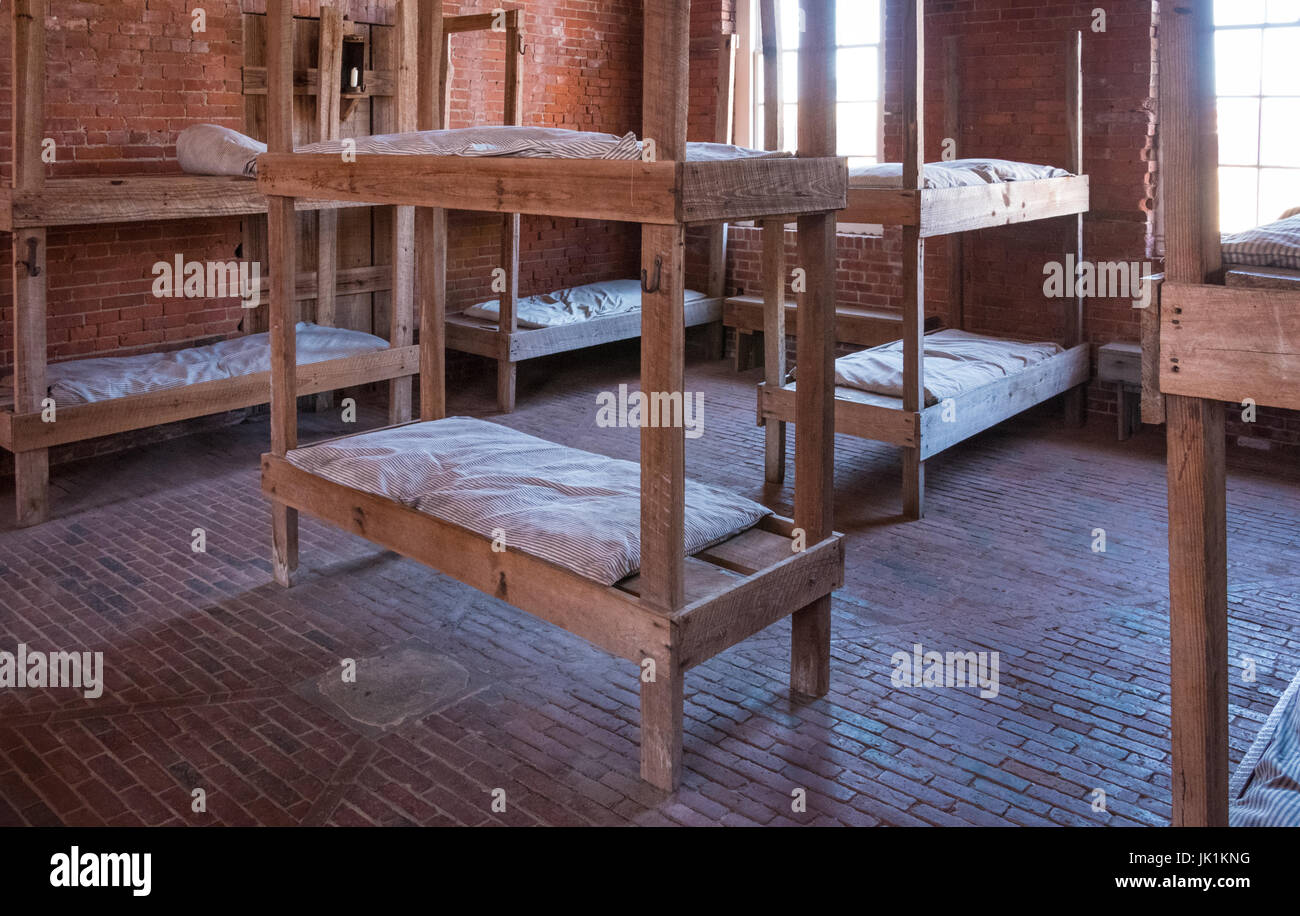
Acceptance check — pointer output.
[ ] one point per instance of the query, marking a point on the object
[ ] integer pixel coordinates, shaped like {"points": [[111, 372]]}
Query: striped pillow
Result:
{"points": [[572, 508], [1265, 790], [1273, 245]]}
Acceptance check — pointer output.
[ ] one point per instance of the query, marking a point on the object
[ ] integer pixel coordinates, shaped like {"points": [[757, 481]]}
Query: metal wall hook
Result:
{"points": [[646, 285], [32, 269]]}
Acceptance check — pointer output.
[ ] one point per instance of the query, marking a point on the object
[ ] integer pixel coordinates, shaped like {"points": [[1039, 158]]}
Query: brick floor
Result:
{"points": [[205, 655]]}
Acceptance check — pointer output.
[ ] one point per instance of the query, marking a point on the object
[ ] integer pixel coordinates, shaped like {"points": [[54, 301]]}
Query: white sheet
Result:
{"points": [[572, 508], [958, 173], [955, 361], [525, 142], [209, 149], [572, 305], [85, 381]]}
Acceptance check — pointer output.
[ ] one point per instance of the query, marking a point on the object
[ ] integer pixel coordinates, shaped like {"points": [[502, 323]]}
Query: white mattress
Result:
{"points": [[958, 173], [526, 142], [955, 361], [208, 149], [573, 305], [572, 508], [1276, 244], [85, 381]]}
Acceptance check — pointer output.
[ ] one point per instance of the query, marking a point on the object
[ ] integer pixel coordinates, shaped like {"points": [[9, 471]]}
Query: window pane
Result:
{"points": [[1237, 62], [857, 22], [1237, 199], [858, 72], [1281, 73], [790, 76], [1279, 191], [1238, 12], [1238, 132], [1281, 141], [1284, 10], [857, 128], [789, 14]]}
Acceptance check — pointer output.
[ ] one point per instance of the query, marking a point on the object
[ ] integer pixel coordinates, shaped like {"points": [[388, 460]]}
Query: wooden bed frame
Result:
{"points": [[507, 343], [680, 610], [33, 204], [1217, 343], [926, 213]]}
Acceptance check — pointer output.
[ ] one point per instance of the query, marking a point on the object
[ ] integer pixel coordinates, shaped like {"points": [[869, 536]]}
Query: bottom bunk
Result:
{"points": [[555, 532], [565, 320], [972, 382], [109, 395], [1265, 789]]}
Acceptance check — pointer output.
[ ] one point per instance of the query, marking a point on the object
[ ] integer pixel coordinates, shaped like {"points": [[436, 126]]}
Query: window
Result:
{"points": [[1257, 44], [860, 77]]}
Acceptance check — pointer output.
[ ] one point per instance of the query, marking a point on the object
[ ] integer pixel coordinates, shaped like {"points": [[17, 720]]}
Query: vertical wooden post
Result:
{"points": [[282, 233], [507, 319], [773, 230], [913, 249], [810, 649], [1076, 403], [1198, 579], [956, 242], [663, 342], [431, 225], [328, 105], [401, 333], [31, 468], [723, 128]]}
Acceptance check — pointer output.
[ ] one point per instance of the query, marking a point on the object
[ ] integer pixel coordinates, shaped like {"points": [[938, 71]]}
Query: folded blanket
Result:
{"points": [[208, 149]]}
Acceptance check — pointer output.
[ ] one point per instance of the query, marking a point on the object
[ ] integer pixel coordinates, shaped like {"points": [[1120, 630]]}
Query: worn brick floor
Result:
{"points": [[205, 657]]}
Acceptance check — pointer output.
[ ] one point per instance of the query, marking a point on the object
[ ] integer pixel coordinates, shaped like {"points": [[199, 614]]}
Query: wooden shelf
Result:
{"points": [[853, 324]]}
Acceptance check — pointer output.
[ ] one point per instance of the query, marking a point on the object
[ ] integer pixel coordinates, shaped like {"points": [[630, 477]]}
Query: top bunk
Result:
{"points": [[960, 195], [618, 180], [653, 180]]}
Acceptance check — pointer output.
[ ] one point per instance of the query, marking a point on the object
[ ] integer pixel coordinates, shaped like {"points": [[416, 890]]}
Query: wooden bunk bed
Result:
{"points": [[1217, 343], [34, 204], [503, 340], [679, 610], [925, 431]]}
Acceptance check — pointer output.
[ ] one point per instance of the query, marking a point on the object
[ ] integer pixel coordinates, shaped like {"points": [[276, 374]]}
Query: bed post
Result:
{"points": [[723, 129], [773, 234], [913, 251], [402, 332], [1198, 577], [431, 226], [31, 468], [810, 645], [956, 242], [328, 102], [1076, 401], [507, 317], [282, 233], [663, 342]]}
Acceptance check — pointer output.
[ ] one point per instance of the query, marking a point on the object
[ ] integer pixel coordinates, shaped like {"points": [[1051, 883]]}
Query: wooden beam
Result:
{"points": [[1076, 399], [952, 131], [913, 248], [810, 626], [1195, 431], [774, 342], [508, 322], [328, 106], [773, 85], [431, 223], [402, 327]]}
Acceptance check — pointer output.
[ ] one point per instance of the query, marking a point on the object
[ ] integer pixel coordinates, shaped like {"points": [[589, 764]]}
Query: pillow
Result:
{"points": [[209, 149]]}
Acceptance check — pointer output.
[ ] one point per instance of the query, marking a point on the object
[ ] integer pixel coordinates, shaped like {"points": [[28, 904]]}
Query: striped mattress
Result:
{"points": [[85, 381], [572, 508], [1276, 244], [573, 305], [956, 173], [524, 142], [1265, 790]]}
